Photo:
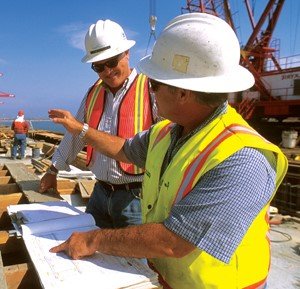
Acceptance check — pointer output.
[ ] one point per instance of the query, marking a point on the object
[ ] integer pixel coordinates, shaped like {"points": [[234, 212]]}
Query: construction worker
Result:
{"points": [[20, 127], [118, 103], [209, 176]]}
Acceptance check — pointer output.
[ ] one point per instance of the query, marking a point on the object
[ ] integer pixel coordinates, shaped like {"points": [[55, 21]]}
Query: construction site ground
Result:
{"points": [[284, 233]]}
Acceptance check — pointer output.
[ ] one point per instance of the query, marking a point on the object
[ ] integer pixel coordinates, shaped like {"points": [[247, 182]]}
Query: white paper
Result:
{"points": [[98, 271], [37, 212], [58, 270], [81, 220]]}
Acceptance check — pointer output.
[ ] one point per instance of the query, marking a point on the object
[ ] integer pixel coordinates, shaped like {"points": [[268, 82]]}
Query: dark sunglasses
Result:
{"points": [[154, 85], [112, 63]]}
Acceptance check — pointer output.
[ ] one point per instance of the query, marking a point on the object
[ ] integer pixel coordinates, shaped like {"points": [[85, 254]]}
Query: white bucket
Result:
{"points": [[289, 138]]}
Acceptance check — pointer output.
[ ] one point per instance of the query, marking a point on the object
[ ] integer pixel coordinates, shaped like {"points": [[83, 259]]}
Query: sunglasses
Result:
{"points": [[112, 63], [154, 85]]}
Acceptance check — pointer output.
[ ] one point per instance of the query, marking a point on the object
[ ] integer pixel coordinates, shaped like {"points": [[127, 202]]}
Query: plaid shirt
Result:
{"points": [[218, 211]]}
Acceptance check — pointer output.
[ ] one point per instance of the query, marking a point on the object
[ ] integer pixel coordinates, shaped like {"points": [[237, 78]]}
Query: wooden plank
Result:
{"points": [[3, 284], [21, 276], [9, 188], [10, 244], [86, 187], [6, 180], [66, 184], [3, 173], [48, 149], [66, 191], [6, 200], [10, 199], [19, 172], [29, 184]]}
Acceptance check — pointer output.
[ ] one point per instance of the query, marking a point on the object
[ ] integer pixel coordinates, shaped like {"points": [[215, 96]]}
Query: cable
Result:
{"points": [[286, 235], [152, 22]]}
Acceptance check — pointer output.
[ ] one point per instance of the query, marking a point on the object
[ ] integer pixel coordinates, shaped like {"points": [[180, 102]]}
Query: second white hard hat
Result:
{"points": [[104, 40], [199, 52]]}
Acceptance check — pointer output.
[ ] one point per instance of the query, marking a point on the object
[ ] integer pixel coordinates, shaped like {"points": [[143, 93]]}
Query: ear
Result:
{"points": [[184, 95]]}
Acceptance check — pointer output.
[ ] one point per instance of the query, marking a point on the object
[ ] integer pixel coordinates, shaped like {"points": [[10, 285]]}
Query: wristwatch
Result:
{"points": [[84, 130], [51, 172]]}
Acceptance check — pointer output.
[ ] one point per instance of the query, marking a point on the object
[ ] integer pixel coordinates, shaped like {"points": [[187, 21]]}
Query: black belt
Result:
{"points": [[126, 187]]}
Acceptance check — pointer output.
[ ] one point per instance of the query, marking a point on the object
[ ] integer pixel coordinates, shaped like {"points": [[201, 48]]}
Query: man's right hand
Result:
{"points": [[48, 181]]}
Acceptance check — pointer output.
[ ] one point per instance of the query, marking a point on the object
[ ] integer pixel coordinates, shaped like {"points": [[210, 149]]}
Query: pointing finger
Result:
{"points": [[62, 247]]}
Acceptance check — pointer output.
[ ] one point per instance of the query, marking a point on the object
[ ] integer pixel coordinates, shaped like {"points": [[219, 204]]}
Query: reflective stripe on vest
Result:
{"points": [[196, 165], [164, 131], [259, 285], [134, 115], [94, 109]]}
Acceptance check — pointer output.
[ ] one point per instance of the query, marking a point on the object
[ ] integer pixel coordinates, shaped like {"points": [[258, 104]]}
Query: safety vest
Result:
{"points": [[249, 265], [134, 114]]}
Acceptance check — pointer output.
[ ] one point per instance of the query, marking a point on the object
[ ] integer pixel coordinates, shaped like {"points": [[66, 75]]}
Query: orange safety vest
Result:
{"points": [[134, 114]]}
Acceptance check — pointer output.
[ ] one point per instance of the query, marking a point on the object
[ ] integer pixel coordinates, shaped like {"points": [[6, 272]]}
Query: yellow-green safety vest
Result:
{"points": [[228, 133]]}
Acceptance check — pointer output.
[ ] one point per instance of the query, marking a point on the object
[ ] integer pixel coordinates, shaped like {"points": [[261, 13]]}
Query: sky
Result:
{"points": [[42, 43]]}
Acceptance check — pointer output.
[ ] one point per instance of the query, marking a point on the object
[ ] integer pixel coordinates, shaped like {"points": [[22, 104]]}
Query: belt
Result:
{"points": [[126, 187]]}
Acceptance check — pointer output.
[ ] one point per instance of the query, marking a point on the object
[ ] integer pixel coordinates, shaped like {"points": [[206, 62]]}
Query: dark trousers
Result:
{"points": [[19, 145], [115, 209]]}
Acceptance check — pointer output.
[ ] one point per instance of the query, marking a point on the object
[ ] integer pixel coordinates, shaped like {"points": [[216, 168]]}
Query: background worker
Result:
{"points": [[209, 176], [20, 127], [118, 103]]}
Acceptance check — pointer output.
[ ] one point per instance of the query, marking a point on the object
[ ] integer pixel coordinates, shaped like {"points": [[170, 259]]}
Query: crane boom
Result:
{"points": [[260, 55]]}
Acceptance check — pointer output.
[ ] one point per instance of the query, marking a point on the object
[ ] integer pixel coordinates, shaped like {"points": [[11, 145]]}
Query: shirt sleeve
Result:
{"points": [[70, 145], [136, 148], [218, 211]]}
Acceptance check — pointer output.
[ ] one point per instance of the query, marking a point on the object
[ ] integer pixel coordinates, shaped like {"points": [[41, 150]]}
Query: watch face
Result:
{"points": [[84, 130]]}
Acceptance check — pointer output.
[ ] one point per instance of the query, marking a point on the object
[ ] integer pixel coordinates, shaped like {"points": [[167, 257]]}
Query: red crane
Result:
{"points": [[260, 55], [5, 94]]}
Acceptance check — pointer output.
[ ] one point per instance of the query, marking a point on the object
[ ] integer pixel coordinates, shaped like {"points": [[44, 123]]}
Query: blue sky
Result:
{"points": [[42, 43]]}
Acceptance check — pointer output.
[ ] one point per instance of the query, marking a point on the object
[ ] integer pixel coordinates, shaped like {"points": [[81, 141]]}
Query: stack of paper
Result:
{"points": [[49, 224], [76, 173]]}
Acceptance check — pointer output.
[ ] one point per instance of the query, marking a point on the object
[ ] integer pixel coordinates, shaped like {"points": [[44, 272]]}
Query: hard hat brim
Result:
{"points": [[235, 80], [127, 44]]}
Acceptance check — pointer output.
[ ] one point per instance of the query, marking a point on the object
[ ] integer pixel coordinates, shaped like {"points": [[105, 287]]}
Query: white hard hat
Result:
{"points": [[104, 40], [199, 52]]}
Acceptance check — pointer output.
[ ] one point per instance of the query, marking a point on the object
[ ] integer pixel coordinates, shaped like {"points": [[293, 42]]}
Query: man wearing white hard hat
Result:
{"points": [[209, 176], [118, 103]]}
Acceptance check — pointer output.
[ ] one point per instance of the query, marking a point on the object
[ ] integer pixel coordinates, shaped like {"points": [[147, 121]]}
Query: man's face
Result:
{"points": [[113, 71], [166, 99]]}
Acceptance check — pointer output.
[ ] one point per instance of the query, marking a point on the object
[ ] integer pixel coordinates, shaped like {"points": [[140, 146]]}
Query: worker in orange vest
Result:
{"points": [[209, 176], [20, 127], [119, 103]]}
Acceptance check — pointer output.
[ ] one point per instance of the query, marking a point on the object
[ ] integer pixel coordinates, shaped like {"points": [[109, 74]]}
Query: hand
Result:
{"points": [[65, 118], [79, 245], [48, 181]]}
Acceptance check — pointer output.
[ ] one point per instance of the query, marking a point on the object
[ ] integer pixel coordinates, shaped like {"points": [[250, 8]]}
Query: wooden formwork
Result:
{"points": [[19, 185]]}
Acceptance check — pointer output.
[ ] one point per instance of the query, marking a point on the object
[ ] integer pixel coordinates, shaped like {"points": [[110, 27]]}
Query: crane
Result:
{"points": [[5, 94], [260, 55], [152, 22]]}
